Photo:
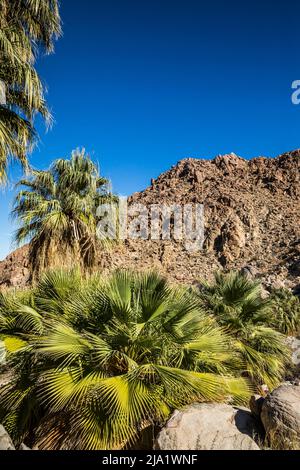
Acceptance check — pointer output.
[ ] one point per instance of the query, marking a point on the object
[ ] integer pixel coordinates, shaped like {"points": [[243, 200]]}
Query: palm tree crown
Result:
{"points": [[237, 305], [26, 26], [57, 212]]}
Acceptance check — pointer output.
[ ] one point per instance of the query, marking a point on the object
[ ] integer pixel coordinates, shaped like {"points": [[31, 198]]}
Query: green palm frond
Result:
{"points": [[63, 343], [113, 356], [26, 26], [236, 303], [12, 343]]}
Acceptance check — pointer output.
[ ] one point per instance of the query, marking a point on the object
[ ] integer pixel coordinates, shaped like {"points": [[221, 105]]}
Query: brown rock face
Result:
{"points": [[251, 219], [281, 417], [14, 270], [251, 212]]}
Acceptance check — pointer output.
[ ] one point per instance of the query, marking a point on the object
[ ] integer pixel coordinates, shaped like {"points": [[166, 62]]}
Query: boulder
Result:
{"points": [[5, 441], [255, 404], [24, 447], [281, 417], [230, 162], [249, 272], [209, 426]]}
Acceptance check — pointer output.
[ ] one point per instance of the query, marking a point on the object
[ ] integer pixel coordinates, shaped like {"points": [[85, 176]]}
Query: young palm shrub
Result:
{"points": [[285, 312], [56, 211], [107, 358], [237, 305]]}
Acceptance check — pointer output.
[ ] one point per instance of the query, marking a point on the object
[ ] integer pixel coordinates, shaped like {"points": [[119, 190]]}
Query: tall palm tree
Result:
{"points": [[57, 212], [26, 26], [107, 358], [237, 305]]}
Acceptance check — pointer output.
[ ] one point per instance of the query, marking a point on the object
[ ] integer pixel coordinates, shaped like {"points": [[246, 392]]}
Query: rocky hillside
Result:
{"points": [[14, 270], [251, 221]]}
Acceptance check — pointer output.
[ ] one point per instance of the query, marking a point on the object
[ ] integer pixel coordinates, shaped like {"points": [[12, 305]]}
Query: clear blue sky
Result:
{"points": [[142, 84]]}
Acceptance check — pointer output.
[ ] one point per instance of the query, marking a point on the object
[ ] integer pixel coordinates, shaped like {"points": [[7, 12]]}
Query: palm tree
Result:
{"points": [[26, 26], [237, 305], [285, 312], [107, 358], [57, 212]]}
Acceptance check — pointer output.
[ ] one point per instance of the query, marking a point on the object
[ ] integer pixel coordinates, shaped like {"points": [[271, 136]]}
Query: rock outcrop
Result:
{"points": [[5, 441], [7, 444], [251, 218], [281, 417], [209, 427], [14, 270]]}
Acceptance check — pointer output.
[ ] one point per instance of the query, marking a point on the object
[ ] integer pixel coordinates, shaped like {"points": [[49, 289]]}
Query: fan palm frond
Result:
{"points": [[26, 26], [56, 210], [106, 358], [237, 304]]}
